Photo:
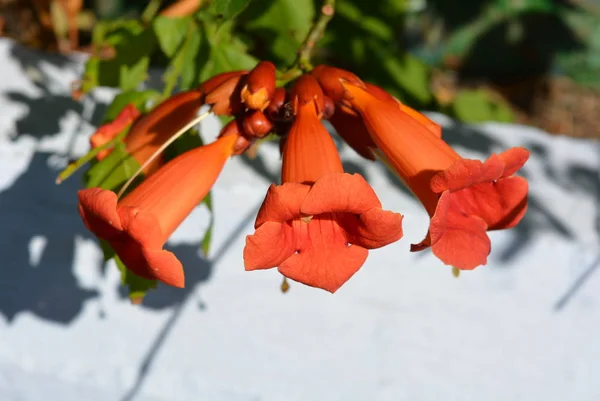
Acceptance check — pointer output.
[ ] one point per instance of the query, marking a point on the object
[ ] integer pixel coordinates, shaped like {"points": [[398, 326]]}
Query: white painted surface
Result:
{"points": [[525, 327]]}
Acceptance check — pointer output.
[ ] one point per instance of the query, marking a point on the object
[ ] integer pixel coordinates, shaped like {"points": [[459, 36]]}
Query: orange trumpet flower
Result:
{"points": [[318, 226], [138, 225], [464, 198]]}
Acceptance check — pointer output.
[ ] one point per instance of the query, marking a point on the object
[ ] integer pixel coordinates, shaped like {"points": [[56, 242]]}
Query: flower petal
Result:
{"points": [[466, 172], [431, 125], [514, 159], [373, 229], [165, 266], [313, 271], [352, 130], [309, 150], [458, 239], [340, 192], [143, 227], [324, 259], [282, 203], [152, 264], [513, 194], [98, 209], [271, 244]]}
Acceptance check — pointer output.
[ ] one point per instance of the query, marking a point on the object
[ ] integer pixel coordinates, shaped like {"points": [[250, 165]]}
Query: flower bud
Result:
{"points": [[274, 109], [233, 128], [260, 86], [306, 89], [213, 83], [330, 79], [329, 108], [225, 97], [256, 124]]}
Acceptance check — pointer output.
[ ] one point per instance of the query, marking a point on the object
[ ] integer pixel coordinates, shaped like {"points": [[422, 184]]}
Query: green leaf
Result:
{"points": [[138, 98], [281, 26], [230, 8], [227, 53], [133, 44], [372, 26], [170, 32], [474, 106], [112, 171], [183, 64], [130, 76], [189, 75], [408, 72]]}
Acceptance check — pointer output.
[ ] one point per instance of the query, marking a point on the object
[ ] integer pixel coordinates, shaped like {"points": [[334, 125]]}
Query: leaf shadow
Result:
{"points": [[48, 107], [34, 209]]}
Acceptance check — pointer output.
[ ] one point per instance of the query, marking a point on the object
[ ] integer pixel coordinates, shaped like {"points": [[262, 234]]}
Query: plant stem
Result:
{"points": [[315, 34], [76, 165], [150, 11]]}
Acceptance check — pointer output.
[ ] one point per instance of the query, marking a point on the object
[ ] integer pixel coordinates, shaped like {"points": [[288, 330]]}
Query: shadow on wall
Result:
{"points": [[34, 207], [46, 110]]}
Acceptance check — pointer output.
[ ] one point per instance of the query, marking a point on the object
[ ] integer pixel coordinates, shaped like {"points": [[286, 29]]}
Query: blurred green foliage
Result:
{"points": [[395, 43]]}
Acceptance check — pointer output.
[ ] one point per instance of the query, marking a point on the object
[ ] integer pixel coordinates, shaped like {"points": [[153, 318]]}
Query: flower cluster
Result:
{"points": [[318, 225]]}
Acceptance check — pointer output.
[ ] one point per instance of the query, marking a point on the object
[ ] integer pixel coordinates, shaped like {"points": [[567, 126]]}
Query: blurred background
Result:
{"points": [[530, 61]]}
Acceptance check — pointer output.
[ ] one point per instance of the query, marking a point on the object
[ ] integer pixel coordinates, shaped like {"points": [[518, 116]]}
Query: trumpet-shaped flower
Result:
{"points": [[318, 225], [464, 198], [138, 225]]}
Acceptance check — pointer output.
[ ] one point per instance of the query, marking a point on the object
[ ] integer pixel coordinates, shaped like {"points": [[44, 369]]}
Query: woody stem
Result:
{"points": [[302, 62]]}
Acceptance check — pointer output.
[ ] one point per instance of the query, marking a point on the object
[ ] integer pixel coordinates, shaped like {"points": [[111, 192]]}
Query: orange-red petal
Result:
{"points": [[466, 173], [98, 209], [309, 151], [133, 234], [340, 193], [324, 260], [514, 159], [457, 238], [152, 130], [271, 244], [282, 203], [353, 131], [373, 229]]}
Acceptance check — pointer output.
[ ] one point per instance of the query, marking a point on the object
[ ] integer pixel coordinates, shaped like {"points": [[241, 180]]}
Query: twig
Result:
{"points": [[302, 63], [150, 10]]}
